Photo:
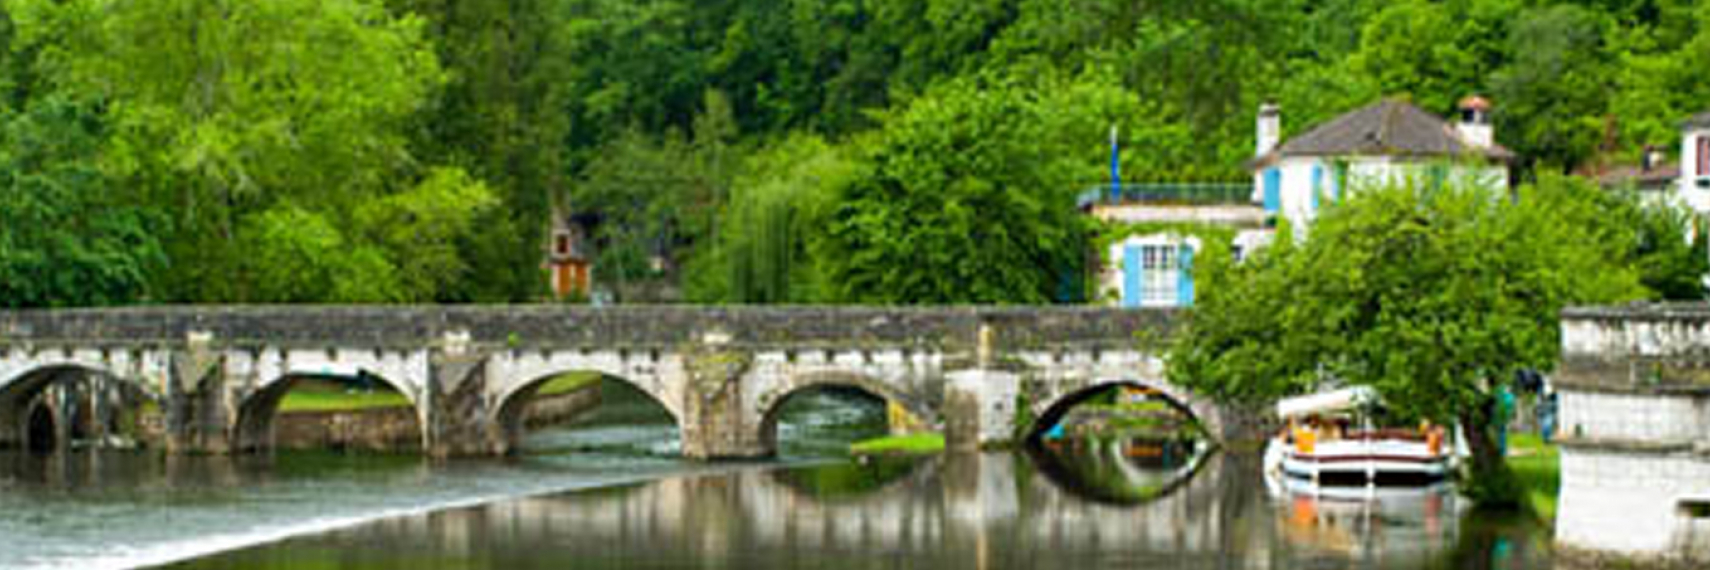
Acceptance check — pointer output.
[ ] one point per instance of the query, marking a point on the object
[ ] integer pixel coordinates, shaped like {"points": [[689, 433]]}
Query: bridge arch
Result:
{"points": [[256, 412], [1050, 410], [772, 402], [26, 415], [511, 408]]}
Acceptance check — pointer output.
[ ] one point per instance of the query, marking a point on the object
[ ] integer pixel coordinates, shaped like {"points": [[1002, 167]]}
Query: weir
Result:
{"points": [[214, 373]]}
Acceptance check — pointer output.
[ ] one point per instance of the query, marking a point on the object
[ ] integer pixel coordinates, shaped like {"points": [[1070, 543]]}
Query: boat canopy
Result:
{"points": [[1326, 402]]}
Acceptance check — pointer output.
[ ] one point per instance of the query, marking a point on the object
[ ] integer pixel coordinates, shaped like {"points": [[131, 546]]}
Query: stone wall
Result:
{"points": [[1635, 433], [376, 429]]}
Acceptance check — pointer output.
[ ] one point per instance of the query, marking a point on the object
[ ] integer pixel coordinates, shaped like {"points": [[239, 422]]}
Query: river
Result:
{"points": [[606, 493]]}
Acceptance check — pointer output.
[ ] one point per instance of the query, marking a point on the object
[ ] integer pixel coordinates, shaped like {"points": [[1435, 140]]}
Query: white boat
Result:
{"points": [[1322, 449]]}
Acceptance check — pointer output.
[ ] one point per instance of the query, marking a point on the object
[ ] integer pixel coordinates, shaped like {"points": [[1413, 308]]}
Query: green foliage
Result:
{"points": [[1436, 297], [1433, 296], [965, 197], [420, 230], [667, 127], [66, 237], [1552, 95], [761, 254], [301, 257], [1537, 467]]}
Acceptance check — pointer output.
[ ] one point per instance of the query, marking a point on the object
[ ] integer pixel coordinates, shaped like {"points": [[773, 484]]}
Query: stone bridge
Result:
{"points": [[217, 374]]}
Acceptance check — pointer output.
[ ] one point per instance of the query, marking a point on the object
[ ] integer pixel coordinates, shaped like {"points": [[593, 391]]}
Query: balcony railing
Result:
{"points": [[1168, 193]]}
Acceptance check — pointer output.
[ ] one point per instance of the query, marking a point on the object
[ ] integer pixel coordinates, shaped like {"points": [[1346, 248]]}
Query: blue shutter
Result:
{"points": [[1131, 269], [1184, 283], [1317, 184], [1273, 190]]}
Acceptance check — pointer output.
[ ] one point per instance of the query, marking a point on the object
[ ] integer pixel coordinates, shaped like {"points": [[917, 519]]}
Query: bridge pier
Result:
{"points": [[979, 408]]}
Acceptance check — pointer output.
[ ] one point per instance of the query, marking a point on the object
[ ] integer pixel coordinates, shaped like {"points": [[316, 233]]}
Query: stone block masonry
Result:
{"points": [[218, 373], [1635, 424]]}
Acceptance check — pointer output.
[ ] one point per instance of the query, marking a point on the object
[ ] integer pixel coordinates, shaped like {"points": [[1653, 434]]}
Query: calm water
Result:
{"points": [[606, 495]]}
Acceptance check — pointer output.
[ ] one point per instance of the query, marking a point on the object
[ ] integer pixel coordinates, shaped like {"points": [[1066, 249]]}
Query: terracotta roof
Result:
{"points": [[1475, 103], [1387, 128]]}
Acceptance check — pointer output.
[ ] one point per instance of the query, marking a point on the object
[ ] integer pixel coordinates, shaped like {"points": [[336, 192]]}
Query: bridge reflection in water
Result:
{"points": [[993, 510]]}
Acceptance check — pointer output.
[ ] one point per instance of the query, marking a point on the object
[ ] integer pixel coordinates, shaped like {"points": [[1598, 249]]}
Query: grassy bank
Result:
{"points": [[912, 444], [329, 396], [1538, 467]]}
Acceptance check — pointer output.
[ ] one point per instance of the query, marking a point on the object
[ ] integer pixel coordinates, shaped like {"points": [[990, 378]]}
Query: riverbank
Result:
{"points": [[1538, 467], [924, 443]]}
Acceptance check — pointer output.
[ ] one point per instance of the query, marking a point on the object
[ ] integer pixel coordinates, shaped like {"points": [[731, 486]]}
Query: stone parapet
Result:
{"points": [[1634, 386]]}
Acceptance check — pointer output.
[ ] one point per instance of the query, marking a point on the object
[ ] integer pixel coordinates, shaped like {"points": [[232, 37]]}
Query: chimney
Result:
{"points": [[1269, 129], [1474, 126]]}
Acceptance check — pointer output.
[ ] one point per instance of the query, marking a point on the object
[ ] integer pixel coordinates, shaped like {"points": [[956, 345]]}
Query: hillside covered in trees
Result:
{"points": [[887, 151]]}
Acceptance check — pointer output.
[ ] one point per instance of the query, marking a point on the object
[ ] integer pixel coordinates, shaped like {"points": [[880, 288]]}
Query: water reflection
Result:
{"points": [[994, 510], [1120, 471]]}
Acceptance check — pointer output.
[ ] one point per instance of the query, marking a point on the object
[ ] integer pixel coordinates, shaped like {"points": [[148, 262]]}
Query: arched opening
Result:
{"points": [[1116, 407], [360, 412], [585, 411], [825, 418], [73, 406], [1119, 442], [41, 431]]}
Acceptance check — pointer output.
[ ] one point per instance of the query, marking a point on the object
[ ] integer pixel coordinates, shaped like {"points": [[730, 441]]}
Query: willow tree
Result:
{"points": [[1436, 297]]}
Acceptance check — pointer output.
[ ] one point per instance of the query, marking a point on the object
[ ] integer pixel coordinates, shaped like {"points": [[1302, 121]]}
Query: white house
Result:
{"points": [[1154, 267], [1686, 183], [1694, 182], [1390, 141]]}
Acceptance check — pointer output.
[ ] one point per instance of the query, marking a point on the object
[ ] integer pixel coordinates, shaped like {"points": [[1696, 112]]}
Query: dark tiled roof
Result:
{"points": [[1658, 177], [1387, 128]]}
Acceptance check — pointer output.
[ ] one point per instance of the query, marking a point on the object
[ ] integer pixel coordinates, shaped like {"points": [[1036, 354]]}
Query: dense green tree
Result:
{"points": [[241, 118], [1551, 96], [501, 116], [1436, 297], [659, 198], [967, 195], [1411, 48], [67, 237]]}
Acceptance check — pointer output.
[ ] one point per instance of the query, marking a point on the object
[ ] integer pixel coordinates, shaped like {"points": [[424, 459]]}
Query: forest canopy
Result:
{"points": [[893, 151]]}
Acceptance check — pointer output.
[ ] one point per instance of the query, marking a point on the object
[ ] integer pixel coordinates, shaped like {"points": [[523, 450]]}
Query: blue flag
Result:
{"points": [[1115, 168]]}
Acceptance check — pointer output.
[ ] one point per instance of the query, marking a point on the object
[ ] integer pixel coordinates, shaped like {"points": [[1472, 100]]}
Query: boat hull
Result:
{"points": [[1360, 463]]}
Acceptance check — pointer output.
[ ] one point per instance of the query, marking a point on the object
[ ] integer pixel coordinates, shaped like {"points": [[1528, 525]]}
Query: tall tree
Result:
{"points": [[967, 195], [1436, 297], [1551, 96], [501, 116]]}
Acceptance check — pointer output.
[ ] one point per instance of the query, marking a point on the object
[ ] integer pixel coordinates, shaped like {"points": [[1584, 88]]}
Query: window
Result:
{"points": [[1160, 264], [561, 244]]}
